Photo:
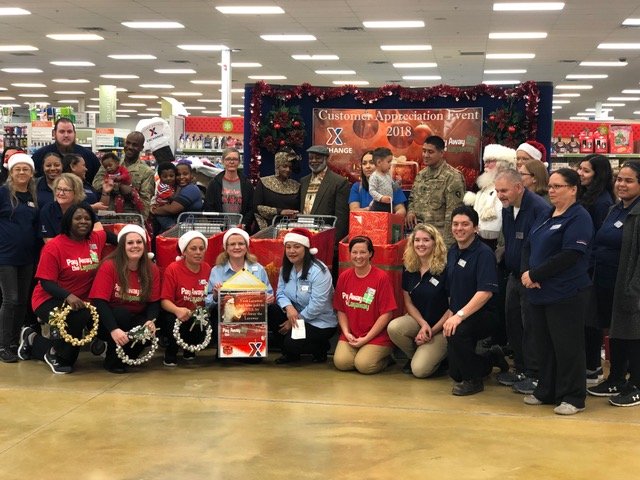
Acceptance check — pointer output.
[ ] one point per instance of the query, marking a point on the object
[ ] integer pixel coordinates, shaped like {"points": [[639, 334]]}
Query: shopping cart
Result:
{"points": [[268, 247], [211, 224]]}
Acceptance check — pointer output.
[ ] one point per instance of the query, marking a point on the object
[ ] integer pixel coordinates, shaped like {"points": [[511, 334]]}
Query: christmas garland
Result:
{"points": [[58, 320], [143, 335], [282, 128], [527, 91], [201, 319]]}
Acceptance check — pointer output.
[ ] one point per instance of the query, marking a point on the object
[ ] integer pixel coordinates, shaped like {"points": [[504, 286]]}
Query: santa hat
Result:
{"points": [[535, 150], [500, 153], [235, 231], [133, 228], [301, 236], [185, 240], [19, 157]]}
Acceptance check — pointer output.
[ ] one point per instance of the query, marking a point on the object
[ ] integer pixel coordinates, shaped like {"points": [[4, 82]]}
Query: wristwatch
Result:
{"points": [[460, 313]]}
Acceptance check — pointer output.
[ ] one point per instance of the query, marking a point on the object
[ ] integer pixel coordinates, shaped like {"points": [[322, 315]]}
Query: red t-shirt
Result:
{"points": [[106, 287], [363, 300], [71, 264], [184, 287]]}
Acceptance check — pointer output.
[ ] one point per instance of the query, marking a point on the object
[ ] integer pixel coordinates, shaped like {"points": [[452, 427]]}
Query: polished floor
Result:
{"points": [[209, 420]]}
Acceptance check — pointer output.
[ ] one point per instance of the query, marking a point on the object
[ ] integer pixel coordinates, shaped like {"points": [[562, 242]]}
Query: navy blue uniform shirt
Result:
{"points": [[428, 293]]}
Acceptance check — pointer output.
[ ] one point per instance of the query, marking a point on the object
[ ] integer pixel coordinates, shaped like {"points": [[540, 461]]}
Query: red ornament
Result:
{"points": [[276, 126], [492, 117], [282, 143], [512, 129], [296, 123]]}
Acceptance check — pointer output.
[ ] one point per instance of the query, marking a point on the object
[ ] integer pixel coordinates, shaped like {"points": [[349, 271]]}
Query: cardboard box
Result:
{"points": [[382, 228]]}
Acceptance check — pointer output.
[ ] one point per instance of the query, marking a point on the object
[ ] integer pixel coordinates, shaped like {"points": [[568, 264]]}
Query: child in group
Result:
{"points": [[121, 178], [165, 190], [381, 185]]}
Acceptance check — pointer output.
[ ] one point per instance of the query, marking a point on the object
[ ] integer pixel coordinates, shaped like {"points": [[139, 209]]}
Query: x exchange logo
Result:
{"points": [[334, 136]]}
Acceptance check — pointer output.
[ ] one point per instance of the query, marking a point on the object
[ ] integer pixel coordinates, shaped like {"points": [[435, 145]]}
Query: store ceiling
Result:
{"points": [[457, 31]]}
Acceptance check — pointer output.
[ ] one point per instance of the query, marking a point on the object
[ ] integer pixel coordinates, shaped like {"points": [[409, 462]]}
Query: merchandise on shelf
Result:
{"points": [[620, 139]]}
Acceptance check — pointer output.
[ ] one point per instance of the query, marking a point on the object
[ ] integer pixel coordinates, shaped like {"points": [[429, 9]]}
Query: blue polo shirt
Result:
{"points": [[607, 244], [469, 271], [600, 208], [18, 228], [516, 230], [428, 293], [359, 194], [43, 192], [573, 230], [51, 218], [91, 161]]}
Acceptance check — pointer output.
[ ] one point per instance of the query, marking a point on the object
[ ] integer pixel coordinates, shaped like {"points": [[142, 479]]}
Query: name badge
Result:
{"points": [[254, 268], [519, 235], [555, 227], [618, 224], [304, 286], [434, 282], [31, 204], [462, 263]]}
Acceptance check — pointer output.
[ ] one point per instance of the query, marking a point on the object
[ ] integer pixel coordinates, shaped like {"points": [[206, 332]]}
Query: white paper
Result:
{"points": [[299, 333]]}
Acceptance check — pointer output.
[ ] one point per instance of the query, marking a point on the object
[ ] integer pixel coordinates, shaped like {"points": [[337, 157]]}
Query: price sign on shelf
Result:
{"points": [[41, 132], [104, 137]]}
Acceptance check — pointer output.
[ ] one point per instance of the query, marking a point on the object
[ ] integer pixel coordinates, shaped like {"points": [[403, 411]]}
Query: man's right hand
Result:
{"points": [[411, 220]]}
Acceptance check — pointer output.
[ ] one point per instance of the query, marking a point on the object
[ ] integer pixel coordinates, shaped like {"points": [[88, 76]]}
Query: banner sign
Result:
{"points": [[108, 103], [242, 324]]}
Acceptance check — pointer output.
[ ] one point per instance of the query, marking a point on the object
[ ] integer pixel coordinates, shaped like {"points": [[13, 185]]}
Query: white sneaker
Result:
{"points": [[532, 400], [567, 409]]}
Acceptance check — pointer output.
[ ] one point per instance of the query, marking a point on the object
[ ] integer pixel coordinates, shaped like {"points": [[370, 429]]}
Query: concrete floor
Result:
{"points": [[239, 421]]}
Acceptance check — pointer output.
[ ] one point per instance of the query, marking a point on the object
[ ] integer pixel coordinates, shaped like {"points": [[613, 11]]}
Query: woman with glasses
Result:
{"points": [[230, 191], [556, 263], [535, 177]]}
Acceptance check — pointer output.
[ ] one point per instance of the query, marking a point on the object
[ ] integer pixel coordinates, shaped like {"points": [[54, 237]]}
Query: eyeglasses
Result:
{"points": [[64, 190], [556, 187], [524, 174], [21, 170]]}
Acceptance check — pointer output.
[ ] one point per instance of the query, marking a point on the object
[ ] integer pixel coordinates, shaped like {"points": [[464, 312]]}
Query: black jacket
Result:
{"points": [[213, 199]]}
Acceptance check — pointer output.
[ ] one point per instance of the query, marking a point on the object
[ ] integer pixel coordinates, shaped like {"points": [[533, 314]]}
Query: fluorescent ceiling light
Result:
{"points": [[288, 38], [18, 48], [186, 94], [118, 89], [527, 6], [93, 106], [267, 77], [154, 109], [125, 110], [422, 77], [33, 95], [636, 113], [123, 116], [623, 99], [619, 46], [29, 85], [394, 24], [315, 57], [631, 91], [585, 76], [560, 102], [119, 77], [94, 99], [633, 22], [405, 48], [245, 65], [70, 80], [576, 118], [153, 24], [137, 56], [72, 63], [350, 82], [602, 109], [556, 107], [195, 107], [509, 56], [566, 95], [7, 98], [146, 114], [512, 71], [250, 10], [236, 90], [574, 87], [500, 82], [206, 82], [3, 89], [21, 70], [6, 11], [209, 100], [336, 72], [203, 48], [143, 96], [165, 86], [604, 64], [69, 92], [176, 71], [584, 114], [415, 65], [237, 106], [62, 102], [74, 36], [212, 112], [516, 35]]}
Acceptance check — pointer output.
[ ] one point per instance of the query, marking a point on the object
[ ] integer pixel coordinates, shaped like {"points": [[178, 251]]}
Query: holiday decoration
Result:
{"points": [[58, 320], [282, 127], [506, 126], [201, 319], [140, 334]]}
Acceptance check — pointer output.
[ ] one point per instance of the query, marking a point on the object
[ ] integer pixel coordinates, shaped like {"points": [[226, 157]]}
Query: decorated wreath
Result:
{"points": [[140, 334], [200, 318], [58, 321], [282, 127]]}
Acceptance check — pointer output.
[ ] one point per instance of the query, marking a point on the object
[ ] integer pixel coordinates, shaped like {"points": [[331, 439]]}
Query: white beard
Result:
{"points": [[487, 179]]}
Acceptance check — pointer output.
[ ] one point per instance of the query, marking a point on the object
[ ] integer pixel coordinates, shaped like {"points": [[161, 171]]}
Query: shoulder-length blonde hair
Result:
{"points": [[223, 257], [74, 183], [438, 257]]}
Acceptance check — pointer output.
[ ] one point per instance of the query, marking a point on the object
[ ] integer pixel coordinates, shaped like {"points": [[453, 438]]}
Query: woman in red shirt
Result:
{"points": [[184, 288], [364, 302], [126, 293]]}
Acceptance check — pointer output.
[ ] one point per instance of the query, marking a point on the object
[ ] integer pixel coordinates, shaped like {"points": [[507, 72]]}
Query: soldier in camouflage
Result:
{"points": [[438, 189]]}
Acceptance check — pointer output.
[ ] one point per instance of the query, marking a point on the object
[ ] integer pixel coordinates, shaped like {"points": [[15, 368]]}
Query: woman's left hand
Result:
{"points": [[358, 342], [150, 324], [424, 335], [183, 314], [270, 299]]}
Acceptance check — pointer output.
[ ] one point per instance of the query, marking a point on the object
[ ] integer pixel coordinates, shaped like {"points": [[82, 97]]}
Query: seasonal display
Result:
{"points": [[58, 320]]}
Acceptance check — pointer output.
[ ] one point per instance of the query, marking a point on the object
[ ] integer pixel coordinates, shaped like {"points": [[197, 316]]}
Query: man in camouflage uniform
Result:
{"points": [[438, 189], [142, 178]]}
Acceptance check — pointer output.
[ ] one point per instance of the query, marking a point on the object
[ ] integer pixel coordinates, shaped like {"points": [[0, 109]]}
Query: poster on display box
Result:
{"points": [[242, 324], [349, 133]]}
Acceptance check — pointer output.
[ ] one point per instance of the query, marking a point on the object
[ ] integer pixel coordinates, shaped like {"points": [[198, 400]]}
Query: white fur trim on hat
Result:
{"points": [[469, 199], [235, 231], [19, 158], [186, 238], [301, 239], [500, 153], [531, 150], [133, 228]]}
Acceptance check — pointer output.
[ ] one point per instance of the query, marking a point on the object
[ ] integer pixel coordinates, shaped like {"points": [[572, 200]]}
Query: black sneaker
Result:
{"points": [[509, 378], [187, 355], [170, 360], [56, 367], [496, 355], [468, 387], [7, 356], [608, 388], [24, 349], [526, 386], [594, 376], [629, 397], [407, 368], [98, 347]]}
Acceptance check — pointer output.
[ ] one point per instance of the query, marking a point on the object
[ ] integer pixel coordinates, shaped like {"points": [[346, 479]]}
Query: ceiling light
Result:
{"points": [[500, 82], [415, 65], [132, 57], [527, 6], [505, 71], [336, 72], [250, 10], [17, 48], [177, 71], [2, 89], [394, 24], [65, 63], [165, 86], [516, 35], [206, 82], [604, 64], [267, 77], [602, 109], [123, 116], [350, 82], [315, 57], [422, 77], [631, 92], [143, 96], [93, 106], [245, 65], [33, 95], [69, 92], [574, 87], [623, 99], [560, 102], [288, 38], [556, 107], [74, 36], [405, 48], [186, 94], [509, 56], [196, 107], [6, 11], [119, 77], [132, 104], [212, 112], [153, 24], [203, 48], [619, 46], [584, 114], [636, 113], [146, 114], [7, 98], [154, 109], [21, 70], [585, 76], [566, 95], [94, 99], [576, 118], [237, 106], [632, 22], [118, 89], [70, 80], [29, 85], [126, 110], [209, 100], [65, 101]]}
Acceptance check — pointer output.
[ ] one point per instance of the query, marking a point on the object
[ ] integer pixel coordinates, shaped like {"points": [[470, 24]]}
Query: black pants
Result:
{"points": [[66, 353], [125, 321], [193, 336], [593, 334], [518, 323], [559, 336], [316, 342], [14, 291], [464, 362], [625, 357]]}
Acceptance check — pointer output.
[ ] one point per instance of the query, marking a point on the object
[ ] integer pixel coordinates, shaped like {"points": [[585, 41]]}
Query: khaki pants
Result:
{"points": [[425, 358], [367, 359]]}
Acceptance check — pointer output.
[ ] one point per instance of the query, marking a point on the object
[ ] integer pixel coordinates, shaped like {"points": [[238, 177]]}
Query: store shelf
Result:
{"points": [[203, 150], [103, 147], [610, 155]]}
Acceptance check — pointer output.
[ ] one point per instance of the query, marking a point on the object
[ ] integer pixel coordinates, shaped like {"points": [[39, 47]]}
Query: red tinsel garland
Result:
{"points": [[527, 91]]}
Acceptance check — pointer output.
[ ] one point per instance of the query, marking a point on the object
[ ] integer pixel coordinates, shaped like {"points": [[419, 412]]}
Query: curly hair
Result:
{"points": [[438, 256]]}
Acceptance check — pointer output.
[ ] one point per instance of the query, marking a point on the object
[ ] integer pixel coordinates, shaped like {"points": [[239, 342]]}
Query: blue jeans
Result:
{"points": [[14, 284]]}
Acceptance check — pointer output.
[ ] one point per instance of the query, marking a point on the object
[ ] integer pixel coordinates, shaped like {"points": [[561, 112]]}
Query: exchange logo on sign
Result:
{"points": [[334, 136]]}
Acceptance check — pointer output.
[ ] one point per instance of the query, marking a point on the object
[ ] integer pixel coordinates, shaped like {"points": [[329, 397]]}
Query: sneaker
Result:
{"points": [[407, 368], [526, 386], [55, 365], [187, 355], [97, 347], [594, 376], [567, 409], [170, 360], [496, 355], [628, 398], [532, 400], [7, 356], [608, 388], [24, 349], [509, 378], [284, 359], [468, 387]]}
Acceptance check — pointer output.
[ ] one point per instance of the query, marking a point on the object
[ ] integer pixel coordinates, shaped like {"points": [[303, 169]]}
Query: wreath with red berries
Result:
{"points": [[282, 127]]}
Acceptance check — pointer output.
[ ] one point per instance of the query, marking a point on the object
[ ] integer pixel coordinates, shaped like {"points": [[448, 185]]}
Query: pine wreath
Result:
{"points": [[282, 127]]}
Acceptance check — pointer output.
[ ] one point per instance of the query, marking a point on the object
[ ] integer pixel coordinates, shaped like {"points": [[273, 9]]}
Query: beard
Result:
{"points": [[318, 168], [487, 179]]}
